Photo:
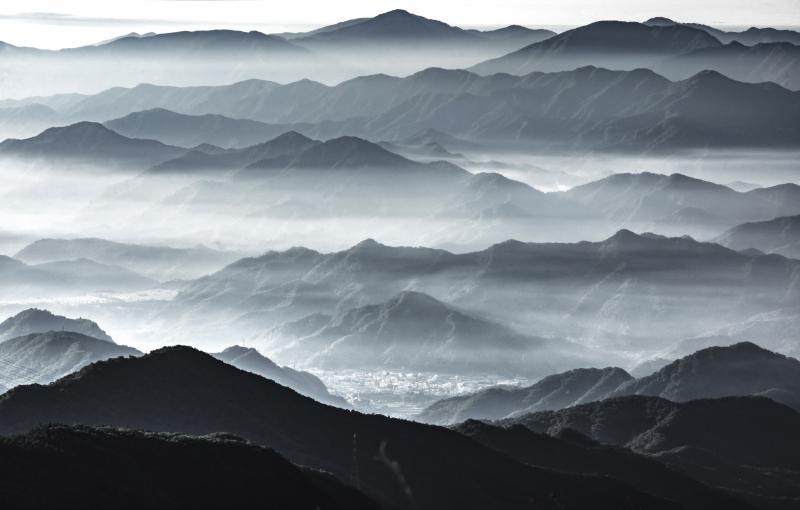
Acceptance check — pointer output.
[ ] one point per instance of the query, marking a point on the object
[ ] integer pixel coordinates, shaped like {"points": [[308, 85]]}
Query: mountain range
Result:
{"points": [[402, 464], [414, 331], [67, 277], [779, 235], [585, 290], [675, 50], [584, 108], [737, 370], [746, 446], [158, 262]]}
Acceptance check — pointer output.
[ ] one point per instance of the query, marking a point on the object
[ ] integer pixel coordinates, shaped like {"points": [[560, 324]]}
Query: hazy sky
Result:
{"points": [[60, 23]]}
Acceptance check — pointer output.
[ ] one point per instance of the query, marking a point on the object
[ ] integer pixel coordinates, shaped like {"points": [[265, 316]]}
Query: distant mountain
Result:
{"points": [[391, 27], [89, 142], [41, 358], [779, 235], [282, 148], [414, 331], [661, 201], [176, 469], [188, 131], [676, 51], [34, 320], [599, 289], [777, 62], [747, 446], [739, 369], [158, 262], [304, 383], [572, 452], [67, 277], [584, 108], [553, 392], [611, 44], [749, 37], [182, 390]]}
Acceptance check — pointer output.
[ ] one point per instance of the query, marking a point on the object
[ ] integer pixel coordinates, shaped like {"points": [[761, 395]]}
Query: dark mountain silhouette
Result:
{"points": [[553, 392], [131, 469], [612, 44], [414, 331], [40, 358], [779, 235], [158, 262], [572, 452], [746, 445], [192, 130], [739, 369], [403, 464], [91, 143], [304, 383], [34, 320]]}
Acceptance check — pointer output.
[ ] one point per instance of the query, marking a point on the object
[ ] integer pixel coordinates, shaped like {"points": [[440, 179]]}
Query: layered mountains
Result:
{"points": [[34, 320], [157, 262], [400, 463], [779, 235], [715, 372], [675, 50], [585, 108], [596, 291]]}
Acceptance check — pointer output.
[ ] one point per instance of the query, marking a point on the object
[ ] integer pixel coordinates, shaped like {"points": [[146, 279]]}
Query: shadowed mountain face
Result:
{"points": [[745, 445], [131, 469], [604, 286], [404, 464], [304, 383], [584, 108], [158, 262], [41, 358], [190, 131], [414, 331], [572, 452], [779, 235], [34, 320], [89, 142], [674, 50], [740, 369], [613, 44], [553, 392]]}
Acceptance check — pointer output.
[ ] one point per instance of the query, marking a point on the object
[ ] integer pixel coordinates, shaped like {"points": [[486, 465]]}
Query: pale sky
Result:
{"points": [[61, 23]]}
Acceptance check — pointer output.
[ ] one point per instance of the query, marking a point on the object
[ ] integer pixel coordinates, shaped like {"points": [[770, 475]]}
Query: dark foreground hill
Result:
{"points": [[404, 464], [572, 452], [746, 445], [59, 467]]}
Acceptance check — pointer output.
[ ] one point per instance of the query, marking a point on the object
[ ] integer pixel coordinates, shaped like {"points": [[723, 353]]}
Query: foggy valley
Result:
{"points": [[397, 263]]}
